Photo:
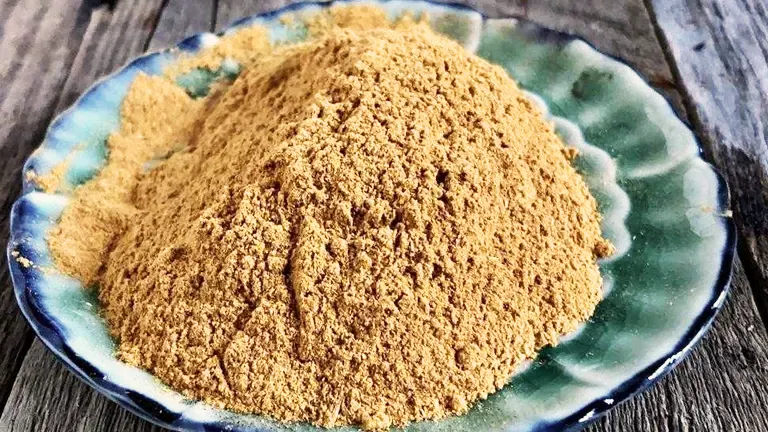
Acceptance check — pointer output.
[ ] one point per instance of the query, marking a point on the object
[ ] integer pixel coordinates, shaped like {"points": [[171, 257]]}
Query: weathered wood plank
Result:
{"points": [[48, 397], [228, 11], [180, 19], [720, 48], [38, 43], [721, 386], [43, 83], [114, 37]]}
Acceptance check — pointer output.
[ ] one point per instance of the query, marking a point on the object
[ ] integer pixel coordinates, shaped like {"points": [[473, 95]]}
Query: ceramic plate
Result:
{"points": [[664, 208]]}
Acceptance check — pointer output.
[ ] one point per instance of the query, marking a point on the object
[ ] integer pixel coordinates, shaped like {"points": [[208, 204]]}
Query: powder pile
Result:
{"points": [[373, 227]]}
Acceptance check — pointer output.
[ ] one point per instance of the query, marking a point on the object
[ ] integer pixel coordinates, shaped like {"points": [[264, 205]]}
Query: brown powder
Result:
{"points": [[52, 181], [244, 46], [359, 17], [373, 227], [154, 116]]}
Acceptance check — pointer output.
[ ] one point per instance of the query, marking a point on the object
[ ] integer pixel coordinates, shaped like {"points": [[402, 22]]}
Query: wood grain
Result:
{"points": [[182, 18], [229, 11], [720, 48], [106, 39], [37, 46], [113, 37]]}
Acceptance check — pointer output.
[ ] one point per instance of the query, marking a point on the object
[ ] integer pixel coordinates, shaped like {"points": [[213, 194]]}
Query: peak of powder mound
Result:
{"points": [[374, 227]]}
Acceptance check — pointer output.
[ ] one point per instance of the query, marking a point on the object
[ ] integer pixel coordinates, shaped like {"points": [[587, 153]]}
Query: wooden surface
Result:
{"points": [[709, 57]]}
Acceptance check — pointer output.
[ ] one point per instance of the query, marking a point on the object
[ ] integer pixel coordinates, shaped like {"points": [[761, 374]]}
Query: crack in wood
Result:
{"points": [[94, 4], [155, 19], [214, 16], [756, 279]]}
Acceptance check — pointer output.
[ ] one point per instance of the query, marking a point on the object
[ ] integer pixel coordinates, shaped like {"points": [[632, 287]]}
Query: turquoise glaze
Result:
{"points": [[664, 208]]}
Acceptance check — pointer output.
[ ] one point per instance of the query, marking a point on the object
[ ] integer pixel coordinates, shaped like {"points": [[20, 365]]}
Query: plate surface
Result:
{"points": [[664, 208]]}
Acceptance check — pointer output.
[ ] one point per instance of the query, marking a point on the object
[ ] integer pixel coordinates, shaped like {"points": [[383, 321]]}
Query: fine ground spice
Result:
{"points": [[244, 47], [373, 227]]}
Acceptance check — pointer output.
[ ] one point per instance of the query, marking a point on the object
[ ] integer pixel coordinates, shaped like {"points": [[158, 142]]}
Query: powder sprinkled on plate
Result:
{"points": [[373, 227]]}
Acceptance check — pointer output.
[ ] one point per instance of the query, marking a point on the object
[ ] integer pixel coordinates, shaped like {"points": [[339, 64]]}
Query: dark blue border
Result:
{"points": [[52, 334]]}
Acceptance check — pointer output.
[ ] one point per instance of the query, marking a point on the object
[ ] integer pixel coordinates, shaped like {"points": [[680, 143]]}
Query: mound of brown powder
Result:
{"points": [[373, 227]]}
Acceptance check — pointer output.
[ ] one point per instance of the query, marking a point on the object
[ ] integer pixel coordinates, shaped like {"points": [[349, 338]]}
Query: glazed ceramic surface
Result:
{"points": [[664, 208]]}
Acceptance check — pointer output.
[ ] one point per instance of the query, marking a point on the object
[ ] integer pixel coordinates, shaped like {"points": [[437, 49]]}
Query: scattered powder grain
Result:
{"points": [[373, 227], [25, 262], [53, 181]]}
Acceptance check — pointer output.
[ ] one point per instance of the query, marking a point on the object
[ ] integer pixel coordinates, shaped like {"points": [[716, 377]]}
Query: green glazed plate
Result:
{"points": [[664, 208]]}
